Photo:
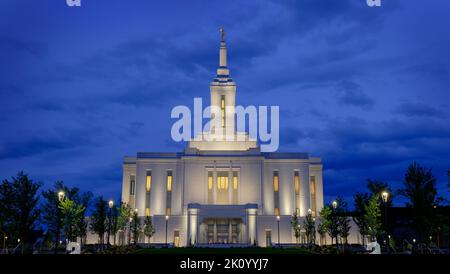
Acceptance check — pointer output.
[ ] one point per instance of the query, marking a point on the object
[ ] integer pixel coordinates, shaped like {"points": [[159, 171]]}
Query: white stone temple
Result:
{"points": [[222, 192]]}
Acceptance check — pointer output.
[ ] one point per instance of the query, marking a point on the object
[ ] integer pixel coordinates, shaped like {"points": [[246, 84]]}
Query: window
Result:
{"points": [[222, 183], [132, 184], [275, 181], [176, 238], [148, 184], [169, 192], [235, 187], [222, 108], [297, 191], [210, 187], [169, 181], [148, 188], [276, 193], [312, 191], [222, 188]]}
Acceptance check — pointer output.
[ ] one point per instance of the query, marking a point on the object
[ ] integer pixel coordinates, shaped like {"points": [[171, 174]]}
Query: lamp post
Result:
{"points": [[110, 205], [4, 243], [61, 196], [334, 204], [167, 222], [385, 197], [129, 231], [278, 230]]}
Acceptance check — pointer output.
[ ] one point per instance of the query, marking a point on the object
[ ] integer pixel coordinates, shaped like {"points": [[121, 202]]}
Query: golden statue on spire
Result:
{"points": [[222, 33]]}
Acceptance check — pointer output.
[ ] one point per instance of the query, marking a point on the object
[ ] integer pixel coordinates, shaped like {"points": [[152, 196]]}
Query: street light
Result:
{"points": [[278, 223], [334, 204], [61, 196], [110, 205], [4, 243], [385, 197], [309, 211], [167, 221]]}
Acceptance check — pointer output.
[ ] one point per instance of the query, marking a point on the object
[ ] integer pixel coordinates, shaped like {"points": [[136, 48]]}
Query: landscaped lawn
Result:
{"points": [[222, 251]]}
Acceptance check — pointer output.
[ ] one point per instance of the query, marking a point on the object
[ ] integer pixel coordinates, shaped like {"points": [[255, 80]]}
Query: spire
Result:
{"points": [[222, 71]]}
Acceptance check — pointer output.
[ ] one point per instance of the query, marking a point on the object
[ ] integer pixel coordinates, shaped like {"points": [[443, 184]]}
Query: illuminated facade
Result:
{"points": [[219, 191]]}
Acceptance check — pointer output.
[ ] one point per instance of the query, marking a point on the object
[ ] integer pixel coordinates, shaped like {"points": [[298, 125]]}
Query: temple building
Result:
{"points": [[219, 192]]}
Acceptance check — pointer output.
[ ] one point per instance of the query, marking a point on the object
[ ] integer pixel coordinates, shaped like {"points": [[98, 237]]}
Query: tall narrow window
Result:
{"points": [[222, 109], [210, 187], [222, 187], [132, 184], [276, 182], [235, 187], [148, 188], [312, 191], [148, 184], [169, 192], [297, 191]]}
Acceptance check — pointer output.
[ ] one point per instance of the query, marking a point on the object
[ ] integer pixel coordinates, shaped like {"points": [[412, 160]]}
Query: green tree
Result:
{"points": [[124, 216], [344, 228], [98, 224], [19, 206], [309, 225], [295, 223], [372, 216], [360, 202], [52, 216], [72, 213], [149, 230], [322, 230], [113, 225], [136, 225], [420, 190]]}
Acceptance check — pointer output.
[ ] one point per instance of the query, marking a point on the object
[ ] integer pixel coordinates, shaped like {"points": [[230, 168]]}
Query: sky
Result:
{"points": [[367, 89]]}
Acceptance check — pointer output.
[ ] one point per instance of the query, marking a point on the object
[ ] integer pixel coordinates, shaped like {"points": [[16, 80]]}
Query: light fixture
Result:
{"points": [[385, 196], [111, 203], [61, 195], [309, 211], [334, 204], [278, 217], [167, 217]]}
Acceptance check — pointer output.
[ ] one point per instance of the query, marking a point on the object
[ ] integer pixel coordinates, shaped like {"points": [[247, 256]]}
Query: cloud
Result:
{"points": [[353, 95], [419, 110]]}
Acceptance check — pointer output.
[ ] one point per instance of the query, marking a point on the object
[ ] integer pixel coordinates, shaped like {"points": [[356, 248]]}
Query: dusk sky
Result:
{"points": [[367, 89]]}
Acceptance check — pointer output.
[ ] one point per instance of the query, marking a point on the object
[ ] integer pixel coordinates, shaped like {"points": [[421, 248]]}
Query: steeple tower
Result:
{"points": [[223, 92]]}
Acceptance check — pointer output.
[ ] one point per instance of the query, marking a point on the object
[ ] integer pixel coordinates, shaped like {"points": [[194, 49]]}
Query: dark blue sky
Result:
{"points": [[367, 89]]}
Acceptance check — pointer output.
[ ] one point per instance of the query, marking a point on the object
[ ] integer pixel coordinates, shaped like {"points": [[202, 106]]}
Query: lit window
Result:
{"points": [[210, 182], [222, 183], [149, 181], [169, 181], [235, 182], [296, 183], [168, 211], [275, 182], [222, 108], [147, 211]]}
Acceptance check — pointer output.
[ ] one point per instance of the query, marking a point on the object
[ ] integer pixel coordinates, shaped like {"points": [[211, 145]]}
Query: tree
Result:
{"points": [[98, 224], [372, 216], [420, 190], [322, 230], [72, 213], [309, 225], [113, 225], [360, 202], [136, 224], [52, 215], [295, 223], [123, 217], [344, 228], [149, 230], [20, 213]]}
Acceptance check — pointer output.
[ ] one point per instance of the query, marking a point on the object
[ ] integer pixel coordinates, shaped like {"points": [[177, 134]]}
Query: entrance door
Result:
{"points": [[268, 238]]}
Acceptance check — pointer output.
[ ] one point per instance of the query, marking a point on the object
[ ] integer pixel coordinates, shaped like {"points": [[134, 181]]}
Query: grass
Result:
{"points": [[236, 251]]}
